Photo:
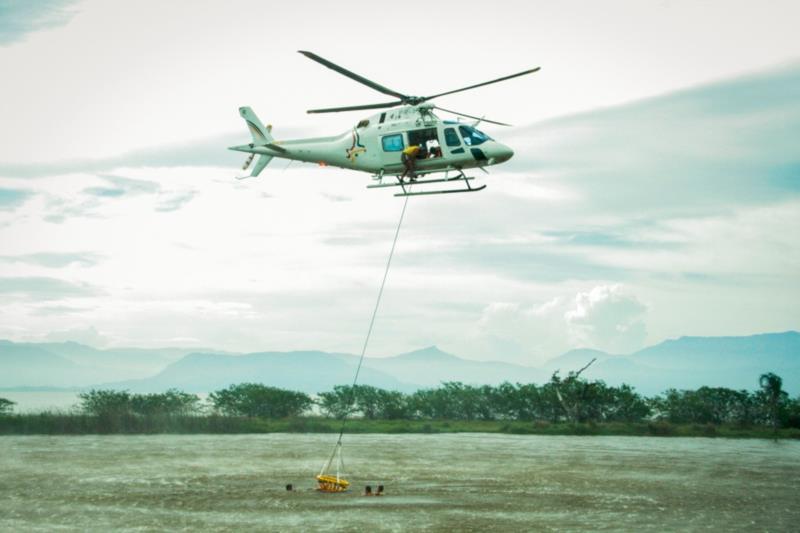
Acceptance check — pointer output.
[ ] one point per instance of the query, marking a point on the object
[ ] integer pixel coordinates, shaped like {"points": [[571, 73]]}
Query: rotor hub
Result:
{"points": [[415, 100]]}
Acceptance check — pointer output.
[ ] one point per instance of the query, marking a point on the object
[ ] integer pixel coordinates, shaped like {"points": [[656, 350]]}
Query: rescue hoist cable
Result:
{"points": [[338, 445]]}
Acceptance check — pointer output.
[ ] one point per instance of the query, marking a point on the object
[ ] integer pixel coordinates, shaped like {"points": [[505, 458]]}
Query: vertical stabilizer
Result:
{"points": [[261, 135]]}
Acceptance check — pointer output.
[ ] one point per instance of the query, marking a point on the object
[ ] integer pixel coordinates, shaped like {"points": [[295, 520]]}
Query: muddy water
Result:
{"points": [[471, 482]]}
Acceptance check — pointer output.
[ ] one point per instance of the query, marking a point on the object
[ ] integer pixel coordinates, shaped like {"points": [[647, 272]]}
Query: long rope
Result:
{"points": [[366, 340]]}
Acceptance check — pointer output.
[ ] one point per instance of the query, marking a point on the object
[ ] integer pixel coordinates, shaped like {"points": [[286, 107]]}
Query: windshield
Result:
{"points": [[472, 136]]}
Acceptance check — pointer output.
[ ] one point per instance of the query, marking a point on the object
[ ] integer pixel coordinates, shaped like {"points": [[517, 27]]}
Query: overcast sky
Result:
{"points": [[655, 190]]}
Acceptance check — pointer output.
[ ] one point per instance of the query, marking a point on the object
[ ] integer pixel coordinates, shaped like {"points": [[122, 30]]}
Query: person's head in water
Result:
{"points": [[368, 490], [289, 487], [380, 490]]}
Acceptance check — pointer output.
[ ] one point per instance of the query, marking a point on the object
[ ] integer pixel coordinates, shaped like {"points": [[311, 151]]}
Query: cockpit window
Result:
{"points": [[472, 136]]}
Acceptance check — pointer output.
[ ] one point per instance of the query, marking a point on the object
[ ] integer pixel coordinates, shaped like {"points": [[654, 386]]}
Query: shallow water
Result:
{"points": [[468, 482]]}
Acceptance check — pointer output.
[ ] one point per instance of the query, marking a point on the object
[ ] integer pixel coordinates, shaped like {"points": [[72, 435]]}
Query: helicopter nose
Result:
{"points": [[502, 153]]}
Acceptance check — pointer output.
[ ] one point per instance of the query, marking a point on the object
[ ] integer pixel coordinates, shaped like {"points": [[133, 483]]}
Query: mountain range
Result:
{"points": [[684, 363]]}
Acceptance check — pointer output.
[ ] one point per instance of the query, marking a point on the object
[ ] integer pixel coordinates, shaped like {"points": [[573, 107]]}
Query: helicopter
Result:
{"points": [[376, 143]]}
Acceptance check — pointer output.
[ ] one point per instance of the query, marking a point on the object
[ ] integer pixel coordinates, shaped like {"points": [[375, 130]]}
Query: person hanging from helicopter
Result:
{"points": [[409, 156]]}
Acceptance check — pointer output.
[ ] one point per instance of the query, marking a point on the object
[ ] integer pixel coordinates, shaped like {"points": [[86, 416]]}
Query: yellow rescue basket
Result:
{"points": [[329, 483]]}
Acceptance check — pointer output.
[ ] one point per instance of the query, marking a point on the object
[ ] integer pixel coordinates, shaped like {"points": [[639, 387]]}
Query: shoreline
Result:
{"points": [[76, 424]]}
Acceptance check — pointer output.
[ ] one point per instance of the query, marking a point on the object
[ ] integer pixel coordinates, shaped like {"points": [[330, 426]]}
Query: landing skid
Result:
{"points": [[407, 183]]}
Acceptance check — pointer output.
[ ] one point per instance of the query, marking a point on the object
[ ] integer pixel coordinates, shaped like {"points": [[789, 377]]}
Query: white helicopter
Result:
{"points": [[376, 144]]}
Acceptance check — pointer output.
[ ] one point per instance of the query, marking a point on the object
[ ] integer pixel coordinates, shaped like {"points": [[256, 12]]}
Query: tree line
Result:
{"points": [[562, 399]]}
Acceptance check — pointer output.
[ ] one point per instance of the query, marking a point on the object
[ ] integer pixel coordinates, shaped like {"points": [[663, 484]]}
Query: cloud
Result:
{"points": [[132, 186], [57, 310], [62, 208], [607, 318], [43, 288], [512, 331], [21, 17], [104, 192], [529, 259], [604, 317], [13, 198], [101, 196], [209, 151], [56, 259], [602, 238], [122, 186], [175, 201], [706, 148]]}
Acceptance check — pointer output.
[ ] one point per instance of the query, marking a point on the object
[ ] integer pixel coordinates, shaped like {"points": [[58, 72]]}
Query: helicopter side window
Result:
{"points": [[451, 138], [393, 143], [472, 136]]}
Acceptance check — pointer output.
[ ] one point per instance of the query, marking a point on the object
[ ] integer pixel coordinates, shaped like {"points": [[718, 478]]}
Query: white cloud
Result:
{"points": [[607, 318], [604, 317]]}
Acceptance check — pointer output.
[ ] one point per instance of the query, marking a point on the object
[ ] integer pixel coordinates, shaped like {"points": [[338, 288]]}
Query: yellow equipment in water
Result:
{"points": [[328, 482], [332, 483]]}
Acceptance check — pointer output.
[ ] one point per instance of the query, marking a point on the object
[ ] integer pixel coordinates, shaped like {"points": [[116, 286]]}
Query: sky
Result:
{"points": [[653, 194]]}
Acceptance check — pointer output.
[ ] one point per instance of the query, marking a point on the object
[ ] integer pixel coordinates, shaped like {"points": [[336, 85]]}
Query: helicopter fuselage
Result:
{"points": [[375, 145]]}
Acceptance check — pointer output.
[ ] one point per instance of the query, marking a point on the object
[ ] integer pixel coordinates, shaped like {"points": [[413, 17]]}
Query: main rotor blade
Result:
{"points": [[355, 107], [471, 116], [531, 71], [353, 75]]}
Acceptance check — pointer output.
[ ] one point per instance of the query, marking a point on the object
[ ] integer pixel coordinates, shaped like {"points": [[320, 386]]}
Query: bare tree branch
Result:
{"points": [[584, 368], [571, 411]]}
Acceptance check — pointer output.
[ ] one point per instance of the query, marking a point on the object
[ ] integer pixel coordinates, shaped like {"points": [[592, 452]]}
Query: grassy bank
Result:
{"points": [[75, 424]]}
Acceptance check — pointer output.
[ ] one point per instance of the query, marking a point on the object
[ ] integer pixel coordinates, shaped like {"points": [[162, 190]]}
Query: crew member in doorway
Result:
{"points": [[434, 150], [409, 157]]}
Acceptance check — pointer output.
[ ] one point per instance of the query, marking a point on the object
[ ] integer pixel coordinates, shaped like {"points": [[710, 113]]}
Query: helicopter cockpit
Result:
{"points": [[473, 136]]}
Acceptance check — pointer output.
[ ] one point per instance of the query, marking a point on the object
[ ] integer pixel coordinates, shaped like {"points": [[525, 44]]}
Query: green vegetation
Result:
{"points": [[112, 403], [256, 400], [563, 406], [6, 406]]}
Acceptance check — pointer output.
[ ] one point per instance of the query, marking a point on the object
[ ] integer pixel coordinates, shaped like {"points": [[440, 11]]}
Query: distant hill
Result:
{"points": [[691, 362], [309, 372], [430, 366], [314, 372], [30, 364], [687, 362], [70, 364]]}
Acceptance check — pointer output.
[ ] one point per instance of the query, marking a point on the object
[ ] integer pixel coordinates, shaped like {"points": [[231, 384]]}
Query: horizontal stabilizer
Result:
{"points": [[262, 162]]}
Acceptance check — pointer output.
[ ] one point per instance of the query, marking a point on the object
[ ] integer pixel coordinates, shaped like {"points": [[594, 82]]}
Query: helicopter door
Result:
{"points": [[453, 141], [428, 141]]}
